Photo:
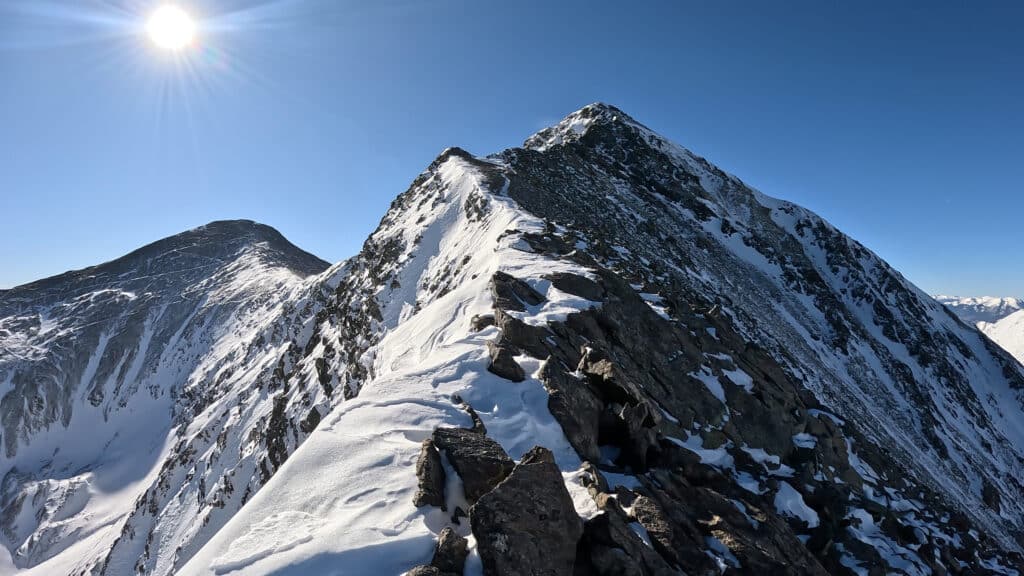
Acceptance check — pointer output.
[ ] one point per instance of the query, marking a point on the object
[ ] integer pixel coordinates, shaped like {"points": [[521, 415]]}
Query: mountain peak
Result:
{"points": [[576, 125], [220, 240]]}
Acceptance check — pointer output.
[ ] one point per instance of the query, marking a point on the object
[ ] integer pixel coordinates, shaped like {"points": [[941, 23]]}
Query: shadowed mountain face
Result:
{"points": [[715, 381]]}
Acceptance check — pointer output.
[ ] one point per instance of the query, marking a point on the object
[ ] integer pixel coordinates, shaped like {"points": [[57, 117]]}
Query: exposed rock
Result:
{"points": [[576, 407], [990, 496], [680, 518], [504, 364], [451, 552], [311, 421], [481, 321], [481, 462], [512, 293], [431, 477], [609, 547], [578, 285], [527, 525]]}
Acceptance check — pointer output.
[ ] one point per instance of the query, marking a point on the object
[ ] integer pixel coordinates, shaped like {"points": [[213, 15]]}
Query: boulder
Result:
{"points": [[511, 293], [481, 321], [503, 363], [527, 525], [610, 547], [480, 461], [577, 285], [431, 477], [451, 552]]}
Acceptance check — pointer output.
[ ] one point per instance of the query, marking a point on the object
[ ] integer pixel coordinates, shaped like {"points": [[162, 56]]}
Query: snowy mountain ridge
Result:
{"points": [[1001, 319], [580, 322], [988, 309]]}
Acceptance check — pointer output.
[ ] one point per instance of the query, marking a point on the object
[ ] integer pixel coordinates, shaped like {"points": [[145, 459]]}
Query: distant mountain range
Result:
{"points": [[1001, 319], [595, 354]]}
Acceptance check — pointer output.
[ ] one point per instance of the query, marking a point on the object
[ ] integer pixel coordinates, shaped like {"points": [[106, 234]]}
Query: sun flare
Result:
{"points": [[171, 28]]}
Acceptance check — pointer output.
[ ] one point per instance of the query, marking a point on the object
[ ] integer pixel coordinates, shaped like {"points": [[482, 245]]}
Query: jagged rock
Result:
{"points": [[481, 462], [311, 421], [480, 321], [451, 552], [609, 547], [503, 363], [527, 525], [576, 407], [511, 293], [431, 477], [680, 518], [579, 285]]}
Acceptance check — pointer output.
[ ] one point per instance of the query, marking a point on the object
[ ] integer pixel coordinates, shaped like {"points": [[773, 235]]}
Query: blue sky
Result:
{"points": [[900, 122]]}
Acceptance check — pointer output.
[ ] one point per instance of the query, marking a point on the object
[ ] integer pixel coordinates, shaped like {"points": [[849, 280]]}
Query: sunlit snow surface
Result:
{"points": [[347, 492]]}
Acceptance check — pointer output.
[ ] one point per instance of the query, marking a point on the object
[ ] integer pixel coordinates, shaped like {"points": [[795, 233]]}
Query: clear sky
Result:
{"points": [[900, 122]]}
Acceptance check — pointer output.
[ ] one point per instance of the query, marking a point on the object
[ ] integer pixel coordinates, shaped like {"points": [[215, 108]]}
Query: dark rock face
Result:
{"points": [[503, 364], [609, 547], [513, 294], [480, 461], [622, 377], [431, 476], [451, 552], [527, 525]]}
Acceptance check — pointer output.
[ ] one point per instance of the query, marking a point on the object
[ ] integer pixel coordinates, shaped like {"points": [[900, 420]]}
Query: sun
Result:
{"points": [[171, 28]]}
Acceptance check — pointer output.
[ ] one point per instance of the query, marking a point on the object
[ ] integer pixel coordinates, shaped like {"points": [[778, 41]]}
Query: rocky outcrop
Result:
{"points": [[450, 555], [480, 462], [431, 477], [503, 363], [527, 525], [612, 545]]}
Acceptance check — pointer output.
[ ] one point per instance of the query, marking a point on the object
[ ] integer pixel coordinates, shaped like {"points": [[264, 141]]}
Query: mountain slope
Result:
{"points": [[1008, 332], [95, 364], [605, 351], [716, 353]]}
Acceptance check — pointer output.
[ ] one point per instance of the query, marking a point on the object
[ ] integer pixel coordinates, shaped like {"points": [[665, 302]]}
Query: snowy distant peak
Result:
{"points": [[987, 309], [182, 257]]}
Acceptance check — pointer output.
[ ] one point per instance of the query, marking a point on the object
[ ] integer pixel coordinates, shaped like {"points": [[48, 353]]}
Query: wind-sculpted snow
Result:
{"points": [[262, 413]]}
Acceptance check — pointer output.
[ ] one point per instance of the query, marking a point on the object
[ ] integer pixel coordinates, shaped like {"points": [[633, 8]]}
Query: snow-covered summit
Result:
{"points": [[576, 125]]}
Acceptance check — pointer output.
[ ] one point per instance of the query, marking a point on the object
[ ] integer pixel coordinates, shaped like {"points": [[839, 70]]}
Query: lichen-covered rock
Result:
{"points": [[527, 525]]}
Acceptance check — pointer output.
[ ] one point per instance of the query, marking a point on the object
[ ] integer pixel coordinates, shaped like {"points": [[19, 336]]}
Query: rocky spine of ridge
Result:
{"points": [[851, 328]]}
